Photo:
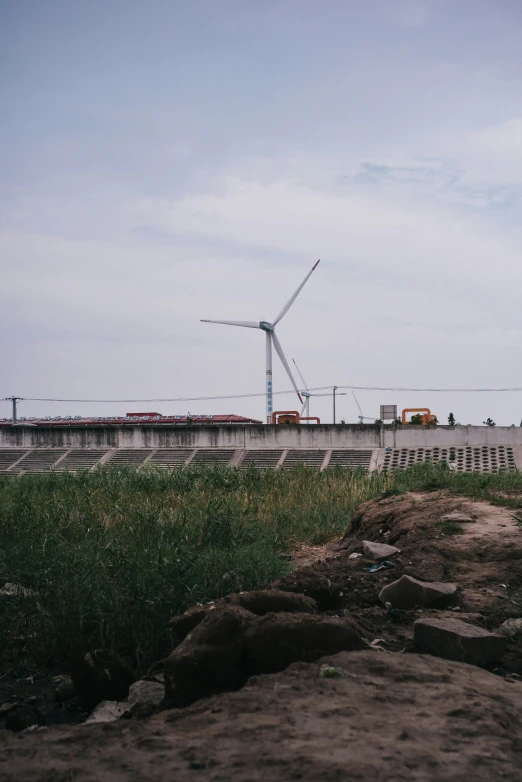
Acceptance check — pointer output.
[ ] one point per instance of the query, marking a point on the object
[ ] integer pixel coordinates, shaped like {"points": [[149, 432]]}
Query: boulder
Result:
{"points": [[100, 675], [145, 698], [64, 689], [456, 515], [277, 640], [456, 640], [408, 592], [209, 659], [23, 717], [106, 711], [355, 555], [511, 627], [378, 551]]}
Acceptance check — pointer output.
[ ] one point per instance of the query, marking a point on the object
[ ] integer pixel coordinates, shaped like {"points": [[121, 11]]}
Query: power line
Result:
{"points": [[275, 393]]}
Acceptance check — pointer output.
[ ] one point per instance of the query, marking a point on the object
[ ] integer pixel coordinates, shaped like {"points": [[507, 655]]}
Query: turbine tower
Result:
{"points": [[271, 339], [306, 393]]}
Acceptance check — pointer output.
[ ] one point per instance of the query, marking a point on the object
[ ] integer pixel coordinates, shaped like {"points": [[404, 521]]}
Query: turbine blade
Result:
{"points": [[357, 403], [284, 362], [305, 384], [249, 324], [294, 297], [336, 394]]}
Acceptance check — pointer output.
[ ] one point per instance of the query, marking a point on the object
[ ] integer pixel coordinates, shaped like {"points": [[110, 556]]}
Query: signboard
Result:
{"points": [[388, 412]]}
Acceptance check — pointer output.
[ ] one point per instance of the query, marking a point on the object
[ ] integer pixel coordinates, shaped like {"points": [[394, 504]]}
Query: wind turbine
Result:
{"points": [[306, 393], [271, 339], [362, 418]]}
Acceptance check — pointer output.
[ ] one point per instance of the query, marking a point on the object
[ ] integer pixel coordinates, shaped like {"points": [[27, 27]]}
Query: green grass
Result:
{"points": [[110, 556]]}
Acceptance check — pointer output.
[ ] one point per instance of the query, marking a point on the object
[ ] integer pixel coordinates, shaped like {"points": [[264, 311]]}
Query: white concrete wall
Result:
{"points": [[255, 436]]}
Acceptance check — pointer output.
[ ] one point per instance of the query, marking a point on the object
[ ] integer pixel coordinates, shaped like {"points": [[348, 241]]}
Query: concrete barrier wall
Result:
{"points": [[255, 436]]}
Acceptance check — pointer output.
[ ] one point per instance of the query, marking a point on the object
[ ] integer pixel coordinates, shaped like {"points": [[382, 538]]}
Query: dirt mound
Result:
{"points": [[259, 602], [230, 644], [385, 717]]}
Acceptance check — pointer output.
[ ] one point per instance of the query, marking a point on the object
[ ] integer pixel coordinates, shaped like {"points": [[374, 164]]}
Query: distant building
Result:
{"points": [[131, 418]]}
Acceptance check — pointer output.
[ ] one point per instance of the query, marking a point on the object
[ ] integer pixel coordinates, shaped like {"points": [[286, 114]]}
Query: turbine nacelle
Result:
{"points": [[266, 326]]}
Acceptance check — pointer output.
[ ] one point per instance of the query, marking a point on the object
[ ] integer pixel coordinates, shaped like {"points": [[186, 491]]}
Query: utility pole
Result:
{"points": [[334, 390], [14, 400]]}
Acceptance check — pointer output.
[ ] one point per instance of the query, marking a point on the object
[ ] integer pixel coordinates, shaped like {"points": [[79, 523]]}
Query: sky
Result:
{"points": [[166, 161]]}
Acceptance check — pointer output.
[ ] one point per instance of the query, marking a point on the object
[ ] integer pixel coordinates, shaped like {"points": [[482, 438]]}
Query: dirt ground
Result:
{"points": [[391, 714]]}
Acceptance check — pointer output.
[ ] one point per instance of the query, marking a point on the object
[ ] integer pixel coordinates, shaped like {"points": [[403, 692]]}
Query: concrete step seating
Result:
{"points": [[80, 459], [261, 459], [170, 458], [40, 460], [356, 459], [213, 456], [128, 457], [308, 457], [9, 456], [484, 458]]}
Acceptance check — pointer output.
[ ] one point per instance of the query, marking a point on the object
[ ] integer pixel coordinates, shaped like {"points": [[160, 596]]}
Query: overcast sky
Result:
{"points": [[166, 161]]}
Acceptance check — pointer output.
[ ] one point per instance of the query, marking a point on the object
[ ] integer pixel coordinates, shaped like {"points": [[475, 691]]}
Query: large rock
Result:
{"points": [[456, 640], [259, 602], [23, 717], [100, 675], [106, 711], [277, 640], [511, 627], [378, 551], [145, 698], [209, 659], [408, 592]]}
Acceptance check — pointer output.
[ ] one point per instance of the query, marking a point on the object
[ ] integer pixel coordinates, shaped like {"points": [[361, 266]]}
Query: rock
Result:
{"points": [[456, 640], [259, 602], [456, 515], [209, 659], [510, 627], [107, 711], [424, 569], [355, 555], [15, 590], [277, 640], [145, 698], [23, 717], [407, 592], [64, 690], [100, 675], [378, 551]]}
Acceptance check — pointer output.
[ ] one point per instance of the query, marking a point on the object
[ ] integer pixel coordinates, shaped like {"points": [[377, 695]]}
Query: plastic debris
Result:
{"points": [[386, 565]]}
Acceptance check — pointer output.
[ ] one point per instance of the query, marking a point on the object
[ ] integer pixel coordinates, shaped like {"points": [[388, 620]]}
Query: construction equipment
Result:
{"points": [[425, 415]]}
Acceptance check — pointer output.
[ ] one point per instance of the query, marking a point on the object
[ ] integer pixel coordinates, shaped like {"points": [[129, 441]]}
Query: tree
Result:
{"points": [[451, 419], [416, 420], [489, 422]]}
